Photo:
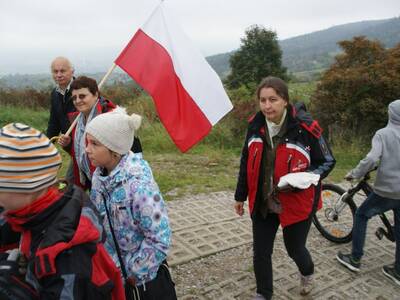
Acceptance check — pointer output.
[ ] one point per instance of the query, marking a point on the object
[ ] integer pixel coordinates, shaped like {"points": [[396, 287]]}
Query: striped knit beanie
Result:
{"points": [[28, 160]]}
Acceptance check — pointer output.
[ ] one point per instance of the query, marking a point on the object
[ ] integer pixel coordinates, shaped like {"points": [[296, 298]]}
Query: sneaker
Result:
{"points": [[348, 261], [390, 272], [258, 297], [306, 284]]}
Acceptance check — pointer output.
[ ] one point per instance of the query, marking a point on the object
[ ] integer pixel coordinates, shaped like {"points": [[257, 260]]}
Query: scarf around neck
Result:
{"points": [[273, 129], [18, 217], [80, 144]]}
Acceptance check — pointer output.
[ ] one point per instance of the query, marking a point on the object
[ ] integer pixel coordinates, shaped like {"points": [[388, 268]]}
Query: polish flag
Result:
{"points": [[187, 93]]}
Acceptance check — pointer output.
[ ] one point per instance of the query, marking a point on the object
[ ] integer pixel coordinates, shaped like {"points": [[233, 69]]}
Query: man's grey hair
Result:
{"points": [[66, 60]]}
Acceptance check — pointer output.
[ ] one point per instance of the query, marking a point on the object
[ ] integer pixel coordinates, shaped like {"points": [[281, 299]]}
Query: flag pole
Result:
{"points": [[110, 70]]}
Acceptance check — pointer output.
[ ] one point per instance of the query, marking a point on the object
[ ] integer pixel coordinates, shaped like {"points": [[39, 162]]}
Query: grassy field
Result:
{"points": [[37, 119], [302, 91], [209, 166]]}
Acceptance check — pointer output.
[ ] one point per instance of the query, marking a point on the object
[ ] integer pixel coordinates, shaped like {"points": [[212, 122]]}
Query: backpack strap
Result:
{"points": [[305, 119], [313, 128], [106, 105]]}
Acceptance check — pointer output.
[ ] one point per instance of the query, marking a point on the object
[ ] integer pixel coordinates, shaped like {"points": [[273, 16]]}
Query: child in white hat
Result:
{"points": [[133, 210]]}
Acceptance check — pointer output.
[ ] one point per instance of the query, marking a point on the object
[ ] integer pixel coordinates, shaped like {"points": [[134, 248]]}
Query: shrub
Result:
{"points": [[352, 96]]}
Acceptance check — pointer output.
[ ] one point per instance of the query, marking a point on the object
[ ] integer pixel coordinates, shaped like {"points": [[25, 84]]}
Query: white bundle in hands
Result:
{"points": [[300, 180]]}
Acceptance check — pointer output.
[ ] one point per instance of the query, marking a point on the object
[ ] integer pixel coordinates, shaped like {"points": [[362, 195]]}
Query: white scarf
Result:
{"points": [[273, 129]]}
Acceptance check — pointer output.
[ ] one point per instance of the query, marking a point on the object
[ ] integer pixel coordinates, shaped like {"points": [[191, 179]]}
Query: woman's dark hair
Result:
{"points": [[85, 82], [279, 86]]}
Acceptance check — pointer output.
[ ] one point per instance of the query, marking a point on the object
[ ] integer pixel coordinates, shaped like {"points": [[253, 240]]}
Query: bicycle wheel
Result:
{"points": [[335, 219]]}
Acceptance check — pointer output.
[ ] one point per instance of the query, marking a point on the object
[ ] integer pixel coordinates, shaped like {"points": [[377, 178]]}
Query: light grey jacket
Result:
{"points": [[385, 153]]}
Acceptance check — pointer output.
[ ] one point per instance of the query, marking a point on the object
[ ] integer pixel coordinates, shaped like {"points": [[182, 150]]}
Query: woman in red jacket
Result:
{"points": [[281, 139], [88, 103]]}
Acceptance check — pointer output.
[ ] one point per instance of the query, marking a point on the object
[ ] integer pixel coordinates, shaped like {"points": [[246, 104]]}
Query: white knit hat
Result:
{"points": [[115, 130]]}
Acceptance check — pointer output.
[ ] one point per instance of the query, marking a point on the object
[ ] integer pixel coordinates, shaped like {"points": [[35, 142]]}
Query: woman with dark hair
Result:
{"points": [[280, 139], [88, 103]]}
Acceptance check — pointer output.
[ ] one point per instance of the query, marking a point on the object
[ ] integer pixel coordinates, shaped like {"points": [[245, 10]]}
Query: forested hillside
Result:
{"points": [[315, 51], [303, 55]]}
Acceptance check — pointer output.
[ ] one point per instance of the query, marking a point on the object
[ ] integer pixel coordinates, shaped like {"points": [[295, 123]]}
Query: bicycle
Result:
{"points": [[335, 220]]}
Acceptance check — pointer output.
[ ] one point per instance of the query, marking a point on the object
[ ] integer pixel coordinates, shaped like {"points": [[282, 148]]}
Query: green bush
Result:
{"points": [[27, 98], [259, 56], [352, 97]]}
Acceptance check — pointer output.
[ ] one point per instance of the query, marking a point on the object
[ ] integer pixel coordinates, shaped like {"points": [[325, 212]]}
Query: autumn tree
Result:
{"points": [[352, 96], [259, 56]]}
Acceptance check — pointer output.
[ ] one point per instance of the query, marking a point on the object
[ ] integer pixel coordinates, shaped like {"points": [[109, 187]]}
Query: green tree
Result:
{"points": [[259, 56], [352, 96]]}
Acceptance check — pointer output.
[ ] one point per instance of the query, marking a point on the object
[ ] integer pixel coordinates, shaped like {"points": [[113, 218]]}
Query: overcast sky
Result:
{"points": [[93, 32]]}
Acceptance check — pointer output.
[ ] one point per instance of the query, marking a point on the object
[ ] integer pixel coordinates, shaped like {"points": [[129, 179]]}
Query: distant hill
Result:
{"points": [[45, 82], [316, 51], [302, 55], [220, 63]]}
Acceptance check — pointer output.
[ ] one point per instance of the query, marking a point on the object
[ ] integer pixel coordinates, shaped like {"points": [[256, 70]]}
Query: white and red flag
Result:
{"points": [[188, 94]]}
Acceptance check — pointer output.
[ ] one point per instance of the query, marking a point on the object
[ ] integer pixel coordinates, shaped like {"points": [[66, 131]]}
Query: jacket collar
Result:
{"points": [[120, 174], [257, 122]]}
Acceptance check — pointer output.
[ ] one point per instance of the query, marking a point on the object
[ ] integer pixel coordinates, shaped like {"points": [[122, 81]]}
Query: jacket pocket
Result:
{"points": [[123, 225]]}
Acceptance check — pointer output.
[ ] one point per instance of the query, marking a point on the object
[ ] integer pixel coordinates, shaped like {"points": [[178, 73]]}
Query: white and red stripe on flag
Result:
{"points": [[188, 94]]}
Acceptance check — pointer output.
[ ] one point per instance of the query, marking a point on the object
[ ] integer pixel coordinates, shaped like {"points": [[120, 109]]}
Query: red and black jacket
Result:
{"points": [[62, 245], [303, 149]]}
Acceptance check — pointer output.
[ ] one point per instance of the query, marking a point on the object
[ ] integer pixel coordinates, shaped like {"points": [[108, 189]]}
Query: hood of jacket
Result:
{"points": [[394, 113], [394, 118]]}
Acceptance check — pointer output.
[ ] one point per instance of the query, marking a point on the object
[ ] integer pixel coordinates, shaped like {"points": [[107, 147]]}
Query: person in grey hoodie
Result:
{"points": [[384, 154]]}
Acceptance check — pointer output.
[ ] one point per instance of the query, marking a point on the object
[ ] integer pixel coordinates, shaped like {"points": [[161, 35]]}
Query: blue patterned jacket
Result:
{"points": [[138, 216]]}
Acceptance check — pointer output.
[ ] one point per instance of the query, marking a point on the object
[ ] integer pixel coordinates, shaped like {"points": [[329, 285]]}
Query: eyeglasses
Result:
{"points": [[82, 97]]}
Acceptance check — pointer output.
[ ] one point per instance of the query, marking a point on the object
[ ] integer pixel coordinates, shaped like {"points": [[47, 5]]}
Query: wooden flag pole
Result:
{"points": [[110, 70]]}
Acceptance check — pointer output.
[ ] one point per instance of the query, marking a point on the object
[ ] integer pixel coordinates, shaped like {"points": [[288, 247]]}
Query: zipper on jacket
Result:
{"points": [[289, 162], [254, 158]]}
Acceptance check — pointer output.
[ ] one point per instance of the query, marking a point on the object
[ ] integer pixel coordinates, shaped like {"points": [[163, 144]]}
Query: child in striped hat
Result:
{"points": [[28, 162], [60, 233]]}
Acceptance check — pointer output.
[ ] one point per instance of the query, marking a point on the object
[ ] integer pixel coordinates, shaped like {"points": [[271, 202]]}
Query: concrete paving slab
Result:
{"points": [[204, 226]]}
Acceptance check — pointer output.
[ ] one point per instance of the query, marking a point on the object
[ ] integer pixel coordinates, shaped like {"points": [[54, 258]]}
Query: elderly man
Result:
{"points": [[61, 104]]}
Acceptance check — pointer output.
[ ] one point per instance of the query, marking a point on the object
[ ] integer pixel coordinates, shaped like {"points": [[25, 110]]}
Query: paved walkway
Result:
{"points": [[205, 228]]}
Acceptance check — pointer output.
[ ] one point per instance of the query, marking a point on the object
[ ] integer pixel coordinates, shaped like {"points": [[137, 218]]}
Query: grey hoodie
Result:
{"points": [[385, 153]]}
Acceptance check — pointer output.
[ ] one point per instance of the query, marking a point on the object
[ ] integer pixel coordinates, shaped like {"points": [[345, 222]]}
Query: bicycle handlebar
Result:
{"points": [[367, 176]]}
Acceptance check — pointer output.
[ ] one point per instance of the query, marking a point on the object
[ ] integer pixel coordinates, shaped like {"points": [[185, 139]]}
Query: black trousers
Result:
{"points": [[294, 236]]}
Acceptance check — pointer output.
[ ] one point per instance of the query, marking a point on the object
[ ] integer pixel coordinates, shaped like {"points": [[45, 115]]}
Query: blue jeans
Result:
{"points": [[372, 206]]}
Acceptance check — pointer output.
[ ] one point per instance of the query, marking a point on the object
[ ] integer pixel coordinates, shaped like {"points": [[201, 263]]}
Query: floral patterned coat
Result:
{"points": [[138, 216]]}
